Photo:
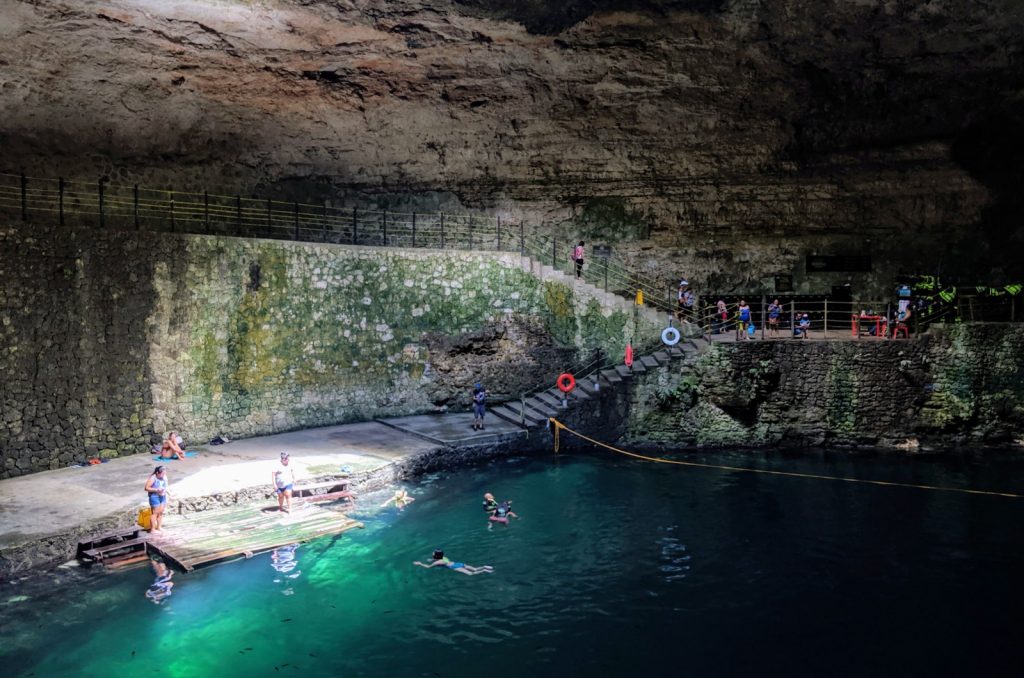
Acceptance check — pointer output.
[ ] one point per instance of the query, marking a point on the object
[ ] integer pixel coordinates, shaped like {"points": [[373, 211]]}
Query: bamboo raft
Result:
{"points": [[219, 535]]}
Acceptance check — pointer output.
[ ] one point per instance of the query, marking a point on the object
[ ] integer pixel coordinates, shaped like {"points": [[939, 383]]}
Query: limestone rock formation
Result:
{"points": [[723, 138]]}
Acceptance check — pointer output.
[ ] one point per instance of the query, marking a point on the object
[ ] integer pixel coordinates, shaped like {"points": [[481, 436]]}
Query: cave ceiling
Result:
{"points": [[673, 110]]}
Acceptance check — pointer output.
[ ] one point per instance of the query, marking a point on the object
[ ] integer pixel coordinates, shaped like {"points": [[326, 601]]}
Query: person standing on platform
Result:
{"points": [[479, 406], [577, 256], [744, 318], [158, 490], [774, 311], [283, 478]]}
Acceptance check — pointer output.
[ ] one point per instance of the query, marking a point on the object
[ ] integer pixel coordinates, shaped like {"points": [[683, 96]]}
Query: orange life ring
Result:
{"points": [[565, 382]]}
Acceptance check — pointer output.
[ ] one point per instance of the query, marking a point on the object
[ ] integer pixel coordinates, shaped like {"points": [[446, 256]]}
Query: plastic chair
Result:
{"points": [[900, 327]]}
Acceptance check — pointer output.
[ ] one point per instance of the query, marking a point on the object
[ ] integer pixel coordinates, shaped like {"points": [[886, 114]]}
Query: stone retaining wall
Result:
{"points": [[958, 385], [110, 339]]}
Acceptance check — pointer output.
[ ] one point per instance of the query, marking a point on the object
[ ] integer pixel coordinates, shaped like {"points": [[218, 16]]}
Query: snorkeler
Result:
{"points": [[498, 512], [439, 560], [401, 499]]}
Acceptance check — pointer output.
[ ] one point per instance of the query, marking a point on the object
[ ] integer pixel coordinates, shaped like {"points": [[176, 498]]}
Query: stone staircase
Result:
{"points": [[534, 410], [605, 299]]}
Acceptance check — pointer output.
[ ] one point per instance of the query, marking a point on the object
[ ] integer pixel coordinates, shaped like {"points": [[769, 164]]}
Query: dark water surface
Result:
{"points": [[617, 567]]}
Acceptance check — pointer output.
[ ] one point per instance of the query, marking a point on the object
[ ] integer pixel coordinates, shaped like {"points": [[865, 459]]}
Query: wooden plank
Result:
{"points": [[218, 535], [101, 551]]}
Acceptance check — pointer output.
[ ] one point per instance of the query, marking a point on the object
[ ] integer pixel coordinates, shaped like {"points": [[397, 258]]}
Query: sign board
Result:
{"points": [[602, 250], [846, 263], [783, 283]]}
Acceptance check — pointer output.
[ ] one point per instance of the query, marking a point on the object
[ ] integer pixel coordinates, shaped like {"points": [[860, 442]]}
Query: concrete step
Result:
{"points": [[661, 356], [587, 386], [650, 362], [549, 398], [623, 371], [540, 407], [611, 376], [638, 367], [511, 414]]}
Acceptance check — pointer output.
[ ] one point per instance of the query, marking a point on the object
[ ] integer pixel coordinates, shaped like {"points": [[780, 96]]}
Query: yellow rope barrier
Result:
{"points": [[558, 426]]}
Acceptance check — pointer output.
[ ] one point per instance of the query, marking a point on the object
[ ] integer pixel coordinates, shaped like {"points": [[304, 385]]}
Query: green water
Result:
{"points": [[616, 567]]}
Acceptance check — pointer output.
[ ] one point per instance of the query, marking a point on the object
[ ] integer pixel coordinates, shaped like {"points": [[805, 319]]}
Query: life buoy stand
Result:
{"points": [[565, 382], [670, 336]]}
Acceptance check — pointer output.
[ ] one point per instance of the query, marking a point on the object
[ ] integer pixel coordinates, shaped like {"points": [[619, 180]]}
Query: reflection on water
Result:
{"points": [[161, 587], [675, 559], [285, 562]]}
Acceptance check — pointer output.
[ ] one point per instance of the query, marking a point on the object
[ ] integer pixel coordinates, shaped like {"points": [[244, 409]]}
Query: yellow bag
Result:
{"points": [[145, 516]]}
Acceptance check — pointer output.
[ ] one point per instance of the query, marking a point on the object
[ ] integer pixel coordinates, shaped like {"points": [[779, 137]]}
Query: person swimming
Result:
{"points": [[162, 585], [400, 500], [498, 512], [438, 559], [490, 503]]}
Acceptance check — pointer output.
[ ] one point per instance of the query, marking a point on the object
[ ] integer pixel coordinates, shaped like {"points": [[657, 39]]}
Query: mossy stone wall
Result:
{"points": [[112, 338], [958, 385]]}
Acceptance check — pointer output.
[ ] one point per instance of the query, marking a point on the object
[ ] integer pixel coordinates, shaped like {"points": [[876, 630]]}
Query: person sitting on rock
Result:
{"points": [[171, 448]]}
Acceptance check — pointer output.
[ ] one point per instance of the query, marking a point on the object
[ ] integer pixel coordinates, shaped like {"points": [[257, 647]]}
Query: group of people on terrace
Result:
{"points": [[741, 318]]}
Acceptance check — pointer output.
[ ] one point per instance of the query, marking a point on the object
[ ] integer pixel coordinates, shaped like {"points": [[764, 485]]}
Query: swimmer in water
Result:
{"points": [[498, 512], [439, 560], [161, 586], [400, 500]]}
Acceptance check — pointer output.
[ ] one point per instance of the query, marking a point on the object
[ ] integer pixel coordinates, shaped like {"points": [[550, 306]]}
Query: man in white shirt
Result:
{"points": [[283, 478]]}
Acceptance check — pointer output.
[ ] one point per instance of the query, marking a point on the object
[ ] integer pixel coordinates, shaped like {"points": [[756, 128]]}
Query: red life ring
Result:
{"points": [[565, 382]]}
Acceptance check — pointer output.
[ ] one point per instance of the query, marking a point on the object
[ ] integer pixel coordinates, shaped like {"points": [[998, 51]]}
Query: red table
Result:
{"points": [[857, 319]]}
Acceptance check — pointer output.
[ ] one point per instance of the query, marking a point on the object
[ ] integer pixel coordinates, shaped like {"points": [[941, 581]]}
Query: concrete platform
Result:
{"points": [[455, 428], [66, 500]]}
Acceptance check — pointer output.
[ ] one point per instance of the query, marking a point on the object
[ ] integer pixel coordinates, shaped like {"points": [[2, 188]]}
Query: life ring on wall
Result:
{"points": [[670, 336], [565, 382]]}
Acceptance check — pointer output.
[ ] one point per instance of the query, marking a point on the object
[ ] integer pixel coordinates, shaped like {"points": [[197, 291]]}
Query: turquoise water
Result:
{"points": [[616, 567]]}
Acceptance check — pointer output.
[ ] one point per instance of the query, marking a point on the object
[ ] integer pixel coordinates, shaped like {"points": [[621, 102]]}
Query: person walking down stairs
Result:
{"points": [[577, 256]]}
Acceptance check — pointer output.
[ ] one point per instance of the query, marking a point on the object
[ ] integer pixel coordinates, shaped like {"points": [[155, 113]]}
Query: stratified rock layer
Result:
{"points": [[723, 139]]}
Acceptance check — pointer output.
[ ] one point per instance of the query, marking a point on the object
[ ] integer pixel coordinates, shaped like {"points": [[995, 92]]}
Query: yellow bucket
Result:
{"points": [[144, 518]]}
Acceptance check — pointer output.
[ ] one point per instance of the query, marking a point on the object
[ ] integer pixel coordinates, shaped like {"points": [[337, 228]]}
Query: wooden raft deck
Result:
{"points": [[214, 536]]}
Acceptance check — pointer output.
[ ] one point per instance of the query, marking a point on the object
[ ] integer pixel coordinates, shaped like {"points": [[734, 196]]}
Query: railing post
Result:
{"points": [[497, 226], [522, 240], [326, 223], [792, 317], [605, 273], [355, 225], [296, 205], [764, 301], [100, 187], [135, 205], [24, 201], [442, 230], [414, 229], [385, 218], [826, 319], [471, 233], [554, 253], [206, 209], [270, 226], [60, 199], [173, 227], [238, 214]]}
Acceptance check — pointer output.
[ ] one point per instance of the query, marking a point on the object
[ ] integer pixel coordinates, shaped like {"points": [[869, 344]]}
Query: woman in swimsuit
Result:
{"points": [[171, 449], [439, 560]]}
